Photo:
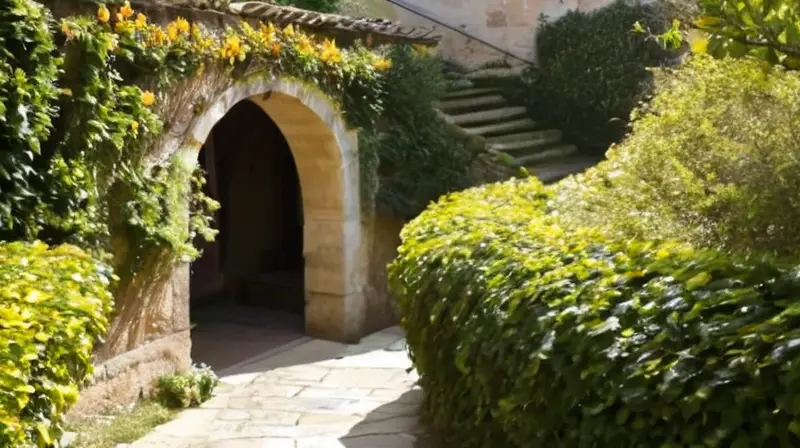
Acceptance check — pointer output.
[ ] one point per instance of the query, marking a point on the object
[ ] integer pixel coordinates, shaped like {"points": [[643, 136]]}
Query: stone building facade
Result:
{"points": [[507, 24]]}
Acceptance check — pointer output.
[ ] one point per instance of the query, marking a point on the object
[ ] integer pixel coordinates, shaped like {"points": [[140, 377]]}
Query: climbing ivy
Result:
{"points": [[82, 114], [416, 158], [28, 73]]}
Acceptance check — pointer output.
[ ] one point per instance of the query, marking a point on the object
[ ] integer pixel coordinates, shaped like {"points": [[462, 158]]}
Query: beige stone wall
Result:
{"points": [[148, 337], [384, 237], [508, 24]]}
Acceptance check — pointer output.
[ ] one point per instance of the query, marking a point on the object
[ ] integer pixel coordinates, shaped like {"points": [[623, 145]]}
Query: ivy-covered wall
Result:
{"points": [[96, 110]]}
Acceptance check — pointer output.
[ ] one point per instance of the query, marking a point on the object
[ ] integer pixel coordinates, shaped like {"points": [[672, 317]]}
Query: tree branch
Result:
{"points": [[768, 43]]}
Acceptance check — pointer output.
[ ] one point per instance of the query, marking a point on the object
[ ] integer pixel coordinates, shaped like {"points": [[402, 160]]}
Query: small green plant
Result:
{"points": [[592, 72], [187, 389]]}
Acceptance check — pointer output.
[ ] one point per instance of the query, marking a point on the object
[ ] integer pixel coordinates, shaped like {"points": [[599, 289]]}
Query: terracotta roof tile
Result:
{"points": [[379, 30]]}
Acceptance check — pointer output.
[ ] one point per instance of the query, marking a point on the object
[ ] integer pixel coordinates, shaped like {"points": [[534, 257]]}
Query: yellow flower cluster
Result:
{"points": [[329, 54], [178, 28], [148, 98], [304, 46], [382, 64], [233, 50]]}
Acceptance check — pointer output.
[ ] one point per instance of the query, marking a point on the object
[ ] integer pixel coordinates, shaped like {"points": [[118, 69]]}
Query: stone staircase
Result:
{"points": [[487, 118]]}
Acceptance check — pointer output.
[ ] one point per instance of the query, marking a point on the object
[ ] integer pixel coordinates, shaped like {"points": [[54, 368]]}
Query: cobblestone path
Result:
{"points": [[313, 394]]}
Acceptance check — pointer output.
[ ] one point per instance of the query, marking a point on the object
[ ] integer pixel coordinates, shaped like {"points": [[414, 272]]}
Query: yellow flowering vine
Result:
{"points": [[264, 43]]}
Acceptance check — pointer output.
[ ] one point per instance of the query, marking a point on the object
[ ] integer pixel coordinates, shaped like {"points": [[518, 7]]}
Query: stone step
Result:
{"points": [[547, 134], [460, 84], [506, 127], [560, 169], [547, 155], [471, 102], [500, 72], [487, 116], [464, 93], [525, 147]]}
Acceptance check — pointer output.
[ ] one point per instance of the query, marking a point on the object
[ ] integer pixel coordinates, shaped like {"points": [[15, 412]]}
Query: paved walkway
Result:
{"points": [[227, 334], [309, 394]]}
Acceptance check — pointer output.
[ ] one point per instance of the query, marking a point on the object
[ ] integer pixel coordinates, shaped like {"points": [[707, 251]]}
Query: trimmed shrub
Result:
{"points": [[592, 71], [711, 161], [526, 333], [54, 305]]}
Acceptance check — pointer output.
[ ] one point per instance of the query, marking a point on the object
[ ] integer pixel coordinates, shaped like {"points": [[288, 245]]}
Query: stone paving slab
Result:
{"points": [[317, 394]]}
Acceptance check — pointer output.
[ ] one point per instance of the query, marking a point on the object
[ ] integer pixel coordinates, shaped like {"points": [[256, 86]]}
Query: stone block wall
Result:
{"points": [[507, 24], [149, 337], [384, 239]]}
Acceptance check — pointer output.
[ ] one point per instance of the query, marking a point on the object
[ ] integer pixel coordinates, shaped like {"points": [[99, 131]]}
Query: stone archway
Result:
{"points": [[326, 157]]}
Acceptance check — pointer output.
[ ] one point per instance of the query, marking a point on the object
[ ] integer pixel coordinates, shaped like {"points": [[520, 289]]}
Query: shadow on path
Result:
{"points": [[224, 335], [393, 425]]}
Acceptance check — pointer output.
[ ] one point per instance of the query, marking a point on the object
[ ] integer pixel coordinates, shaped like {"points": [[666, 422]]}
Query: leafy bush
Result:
{"points": [[592, 71], [418, 158], [187, 389], [527, 333], [712, 161], [28, 95], [736, 28], [54, 305]]}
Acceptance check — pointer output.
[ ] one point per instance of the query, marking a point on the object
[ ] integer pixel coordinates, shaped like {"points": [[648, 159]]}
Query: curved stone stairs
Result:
{"points": [[489, 120]]}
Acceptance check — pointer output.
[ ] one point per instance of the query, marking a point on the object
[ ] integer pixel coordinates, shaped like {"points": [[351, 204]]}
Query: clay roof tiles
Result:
{"points": [[378, 31]]}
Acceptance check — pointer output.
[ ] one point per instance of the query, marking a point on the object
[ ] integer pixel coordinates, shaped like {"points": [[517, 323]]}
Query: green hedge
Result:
{"points": [[526, 333], [54, 305], [592, 71]]}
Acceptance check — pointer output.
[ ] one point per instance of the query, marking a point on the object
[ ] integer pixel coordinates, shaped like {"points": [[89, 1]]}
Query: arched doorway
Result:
{"points": [[257, 258], [247, 291], [322, 240]]}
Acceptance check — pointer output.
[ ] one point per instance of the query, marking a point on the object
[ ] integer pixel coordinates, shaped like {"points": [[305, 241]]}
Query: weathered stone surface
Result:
{"points": [[330, 412], [127, 377], [384, 236], [506, 24]]}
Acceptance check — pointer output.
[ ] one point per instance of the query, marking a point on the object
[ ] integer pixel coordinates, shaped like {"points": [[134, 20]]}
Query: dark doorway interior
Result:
{"points": [[252, 275]]}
